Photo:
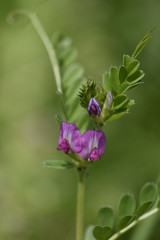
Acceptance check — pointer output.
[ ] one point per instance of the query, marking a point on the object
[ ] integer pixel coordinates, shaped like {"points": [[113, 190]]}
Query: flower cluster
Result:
{"points": [[89, 146]]}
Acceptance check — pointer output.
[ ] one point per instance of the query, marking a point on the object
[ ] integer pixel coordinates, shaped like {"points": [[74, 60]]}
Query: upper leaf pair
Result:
{"points": [[115, 84]]}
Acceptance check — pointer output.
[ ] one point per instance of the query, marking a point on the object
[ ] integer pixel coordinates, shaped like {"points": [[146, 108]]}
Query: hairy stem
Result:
{"points": [[80, 205], [45, 39], [118, 234]]}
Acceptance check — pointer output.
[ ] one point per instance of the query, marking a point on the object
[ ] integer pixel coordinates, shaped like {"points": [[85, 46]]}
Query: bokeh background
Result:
{"points": [[38, 203]]}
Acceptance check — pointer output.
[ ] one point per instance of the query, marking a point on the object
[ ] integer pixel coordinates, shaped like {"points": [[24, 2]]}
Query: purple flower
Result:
{"points": [[109, 98], [94, 108], [93, 145], [69, 138]]}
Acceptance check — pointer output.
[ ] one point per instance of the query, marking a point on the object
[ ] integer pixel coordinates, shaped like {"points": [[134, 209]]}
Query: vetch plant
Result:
{"points": [[86, 107]]}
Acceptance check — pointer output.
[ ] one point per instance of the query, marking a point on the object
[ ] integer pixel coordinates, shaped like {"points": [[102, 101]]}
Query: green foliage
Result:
{"points": [[120, 101], [147, 198], [114, 80], [58, 164], [102, 233], [129, 215], [132, 67], [105, 217], [106, 81], [127, 205], [72, 75], [124, 222], [117, 114], [119, 81], [122, 74], [143, 209], [142, 44], [148, 193]]}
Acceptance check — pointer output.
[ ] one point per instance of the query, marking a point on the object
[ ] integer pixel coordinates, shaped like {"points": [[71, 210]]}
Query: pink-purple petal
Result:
{"points": [[92, 139], [71, 133], [102, 144], [76, 141], [93, 107], [94, 155], [64, 125], [87, 138], [64, 146]]}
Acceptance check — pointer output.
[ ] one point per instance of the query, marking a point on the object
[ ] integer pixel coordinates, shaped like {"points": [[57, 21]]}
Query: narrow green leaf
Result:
{"points": [[124, 87], [63, 42], [106, 82], [158, 205], [132, 67], [72, 73], [148, 193], [122, 74], [138, 75], [142, 44], [114, 79], [72, 108], [129, 103], [72, 78], [60, 41], [143, 209], [134, 85], [119, 101], [124, 222], [127, 205], [68, 57], [126, 60], [102, 233], [117, 114], [73, 89], [58, 164], [89, 233], [105, 217]]}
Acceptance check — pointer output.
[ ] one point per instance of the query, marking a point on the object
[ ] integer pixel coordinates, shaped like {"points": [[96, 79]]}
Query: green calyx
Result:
{"points": [[91, 89]]}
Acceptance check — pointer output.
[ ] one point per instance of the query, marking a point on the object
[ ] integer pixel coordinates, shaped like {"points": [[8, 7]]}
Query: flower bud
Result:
{"points": [[94, 108]]}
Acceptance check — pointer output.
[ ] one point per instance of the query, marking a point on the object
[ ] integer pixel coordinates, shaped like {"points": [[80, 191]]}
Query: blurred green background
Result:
{"points": [[38, 203]]}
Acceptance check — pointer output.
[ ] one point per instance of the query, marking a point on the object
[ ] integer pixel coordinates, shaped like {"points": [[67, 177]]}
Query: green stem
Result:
{"points": [[45, 39], [80, 205], [146, 215]]}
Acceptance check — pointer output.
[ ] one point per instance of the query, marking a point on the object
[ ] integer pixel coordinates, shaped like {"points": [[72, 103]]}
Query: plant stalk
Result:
{"points": [[80, 205], [45, 39]]}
